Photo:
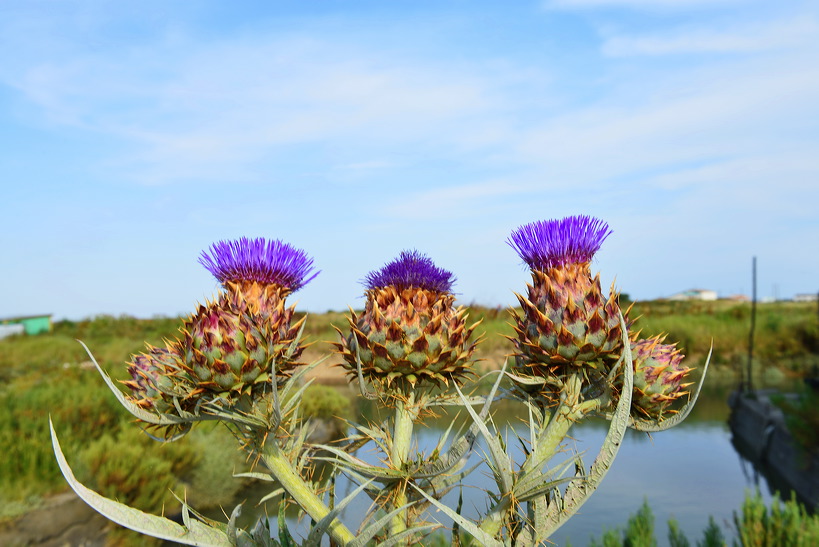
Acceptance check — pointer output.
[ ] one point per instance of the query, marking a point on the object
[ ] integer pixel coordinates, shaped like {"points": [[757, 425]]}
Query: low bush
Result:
{"points": [[757, 525], [81, 411]]}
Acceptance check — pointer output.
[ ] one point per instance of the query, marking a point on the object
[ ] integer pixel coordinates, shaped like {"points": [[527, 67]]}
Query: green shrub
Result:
{"points": [[128, 467], [325, 402], [788, 525], [640, 528], [781, 525], [81, 409], [210, 483], [676, 537], [712, 536], [135, 469], [611, 538], [639, 531]]}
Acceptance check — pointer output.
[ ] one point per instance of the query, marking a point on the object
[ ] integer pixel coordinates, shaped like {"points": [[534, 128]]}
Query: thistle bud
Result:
{"points": [[410, 335], [146, 369], [658, 377]]}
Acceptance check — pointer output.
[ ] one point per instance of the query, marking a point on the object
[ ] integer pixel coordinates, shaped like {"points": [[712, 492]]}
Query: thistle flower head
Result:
{"points": [[411, 269], [549, 244], [411, 335], [269, 262]]}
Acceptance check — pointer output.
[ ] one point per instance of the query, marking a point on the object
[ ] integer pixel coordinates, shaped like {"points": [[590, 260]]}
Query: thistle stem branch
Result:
{"points": [[568, 411], [281, 468], [406, 411], [561, 420]]}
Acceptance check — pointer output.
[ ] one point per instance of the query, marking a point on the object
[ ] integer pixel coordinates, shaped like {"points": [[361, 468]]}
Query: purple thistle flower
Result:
{"points": [[550, 243], [270, 262], [411, 269]]}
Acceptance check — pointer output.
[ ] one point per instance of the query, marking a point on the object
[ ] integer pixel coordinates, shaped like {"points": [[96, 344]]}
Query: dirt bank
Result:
{"points": [[62, 520]]}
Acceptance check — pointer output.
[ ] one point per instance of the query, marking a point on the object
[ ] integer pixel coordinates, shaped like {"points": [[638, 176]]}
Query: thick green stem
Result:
{"points": [[291, 481], [547, 446], [569, 411], [548, 443], [405, 414]]}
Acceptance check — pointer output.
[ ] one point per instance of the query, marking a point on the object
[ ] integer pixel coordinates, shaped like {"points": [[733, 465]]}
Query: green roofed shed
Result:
{"points": [[32, 324]]}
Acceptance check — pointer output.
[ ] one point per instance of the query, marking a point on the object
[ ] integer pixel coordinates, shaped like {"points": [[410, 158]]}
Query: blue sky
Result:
{"points": [[135, 134]]}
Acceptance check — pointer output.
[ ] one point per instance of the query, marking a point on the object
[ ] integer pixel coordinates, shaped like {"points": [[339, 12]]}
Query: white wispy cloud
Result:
{"points": [[640, 4], [698, 114], [742, 38], [213, 107]]}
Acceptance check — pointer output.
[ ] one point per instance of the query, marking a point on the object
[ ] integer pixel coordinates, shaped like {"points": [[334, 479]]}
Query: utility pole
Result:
{"points": [[748, 383]]}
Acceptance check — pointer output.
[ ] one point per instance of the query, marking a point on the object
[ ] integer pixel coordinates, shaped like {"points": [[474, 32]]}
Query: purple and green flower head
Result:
{"points": [[550, 244], [268, 262], [410, 335], [411, 269]]}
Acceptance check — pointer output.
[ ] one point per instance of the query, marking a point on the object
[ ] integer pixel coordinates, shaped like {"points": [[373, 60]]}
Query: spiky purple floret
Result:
{"points": [[411, 269], [257, 259], [550, 243]]}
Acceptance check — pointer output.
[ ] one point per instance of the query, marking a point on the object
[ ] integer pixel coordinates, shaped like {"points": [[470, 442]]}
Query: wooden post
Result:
{"points": [[748, 382]]}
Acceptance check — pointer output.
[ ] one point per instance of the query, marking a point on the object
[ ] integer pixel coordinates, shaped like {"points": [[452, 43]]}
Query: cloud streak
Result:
{"points": [[748, 38], [206, 112]]}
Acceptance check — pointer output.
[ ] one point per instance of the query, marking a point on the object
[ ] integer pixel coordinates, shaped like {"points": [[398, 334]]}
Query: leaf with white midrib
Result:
{"points": [[406, 534], [499, 455], [469, 526], [196, 533], [654, 427], [460, 447], [365, 535]]}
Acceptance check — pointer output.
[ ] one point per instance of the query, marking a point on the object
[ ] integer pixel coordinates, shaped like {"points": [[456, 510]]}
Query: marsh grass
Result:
{"points": [[81, 411]]}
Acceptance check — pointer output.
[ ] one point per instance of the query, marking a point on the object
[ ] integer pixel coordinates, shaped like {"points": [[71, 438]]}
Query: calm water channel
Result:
{"points": [[689, 472]]}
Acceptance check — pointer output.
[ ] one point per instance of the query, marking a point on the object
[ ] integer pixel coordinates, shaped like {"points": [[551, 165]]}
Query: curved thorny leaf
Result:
{"points": [[192, 532], [560, 509]]}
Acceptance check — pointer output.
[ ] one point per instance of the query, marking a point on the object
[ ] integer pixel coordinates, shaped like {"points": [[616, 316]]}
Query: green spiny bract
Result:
{"points": [[409, 337], [565, 321], [235, 344], [658, 377], [230, 347]]}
